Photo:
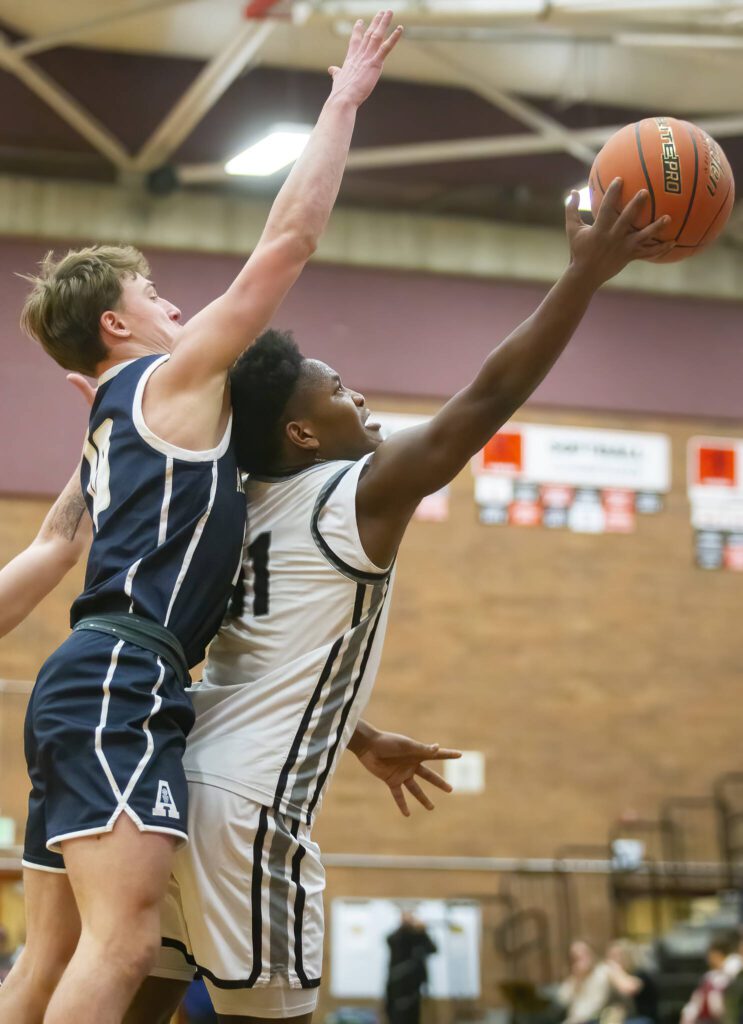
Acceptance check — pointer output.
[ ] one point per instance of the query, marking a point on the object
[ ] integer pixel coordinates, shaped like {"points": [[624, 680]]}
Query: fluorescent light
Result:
{"points": [[585, 198], [278, 149]]}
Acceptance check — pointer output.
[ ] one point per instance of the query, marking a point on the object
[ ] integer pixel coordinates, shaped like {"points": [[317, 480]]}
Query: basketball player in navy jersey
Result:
{"points": [[108, 717], [329, 503]]}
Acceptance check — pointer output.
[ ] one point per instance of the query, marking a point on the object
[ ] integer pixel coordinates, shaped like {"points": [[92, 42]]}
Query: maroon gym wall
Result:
{"points": [[399, 333]]}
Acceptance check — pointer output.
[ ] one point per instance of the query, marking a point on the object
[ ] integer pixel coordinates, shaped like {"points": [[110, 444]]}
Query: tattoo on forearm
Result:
{"points": [[66, 515]]}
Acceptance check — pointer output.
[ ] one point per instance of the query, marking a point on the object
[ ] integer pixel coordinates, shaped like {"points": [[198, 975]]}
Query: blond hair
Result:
{"points": [[63, 309]]}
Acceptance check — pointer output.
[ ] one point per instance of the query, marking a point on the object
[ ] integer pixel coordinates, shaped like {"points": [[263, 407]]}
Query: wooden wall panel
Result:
{"points": [[596, 673]]}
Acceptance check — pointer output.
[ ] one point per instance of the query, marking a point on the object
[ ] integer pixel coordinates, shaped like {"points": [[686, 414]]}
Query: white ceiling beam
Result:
{"points": [[485, 148], [680, 8], [516, 108], [73, 33], [450, 151], [485, 11], [506, 145], [66, 106], [678, 40], [435, 8], [212, 82]]}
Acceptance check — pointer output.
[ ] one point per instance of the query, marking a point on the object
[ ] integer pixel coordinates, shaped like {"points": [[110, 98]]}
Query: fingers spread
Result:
{"points": [[658, 250], [632, 211], [370, 33], [652, 231], [357, 34], [444, 754], [399, 798], [433, 778], [414, 789], [389, 44], [420, 751], [573, 219], [610, 206], [383, 21]]}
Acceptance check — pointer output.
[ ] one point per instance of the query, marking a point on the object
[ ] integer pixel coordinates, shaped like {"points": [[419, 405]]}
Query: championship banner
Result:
{"points": [[435, 507], [715, 490], [578, 478]]}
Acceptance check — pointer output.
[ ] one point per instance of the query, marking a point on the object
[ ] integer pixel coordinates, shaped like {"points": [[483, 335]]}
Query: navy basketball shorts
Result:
{"points": [[105, 733]]}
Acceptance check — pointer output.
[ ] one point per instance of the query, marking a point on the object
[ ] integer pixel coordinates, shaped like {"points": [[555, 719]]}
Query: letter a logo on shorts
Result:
{"points": [[165, 804]]}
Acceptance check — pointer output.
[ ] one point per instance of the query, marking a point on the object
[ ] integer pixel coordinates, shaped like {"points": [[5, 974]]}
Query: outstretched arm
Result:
{"points": [[418, 461], [399, 762], [63, 538], [216, 336]]}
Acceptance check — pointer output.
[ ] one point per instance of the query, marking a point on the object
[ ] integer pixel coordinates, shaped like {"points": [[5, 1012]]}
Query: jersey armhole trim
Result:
{"points": [[357, 575], [165, 447]]}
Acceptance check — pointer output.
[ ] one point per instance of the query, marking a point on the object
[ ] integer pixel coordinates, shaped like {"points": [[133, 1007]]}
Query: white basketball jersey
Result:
{"points": [[285, 683]]}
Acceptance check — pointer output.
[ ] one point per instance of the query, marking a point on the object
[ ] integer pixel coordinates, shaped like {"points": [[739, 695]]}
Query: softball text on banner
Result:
{"points": [[583, 479]]}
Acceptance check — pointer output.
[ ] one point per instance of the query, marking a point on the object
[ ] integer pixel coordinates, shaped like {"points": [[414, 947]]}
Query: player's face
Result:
{"points": [[340, 418], [149, 317]]}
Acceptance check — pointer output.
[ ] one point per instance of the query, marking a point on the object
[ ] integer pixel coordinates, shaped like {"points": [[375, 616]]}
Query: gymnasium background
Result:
{"points": [[598, 674]]}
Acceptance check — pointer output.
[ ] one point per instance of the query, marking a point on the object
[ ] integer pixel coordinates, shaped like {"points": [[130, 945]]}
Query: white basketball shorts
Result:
{"points": [[244, 907]]}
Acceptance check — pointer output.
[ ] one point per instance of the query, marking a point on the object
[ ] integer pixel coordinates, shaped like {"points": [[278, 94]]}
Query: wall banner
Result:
{"points": [[434, 508], [714, 476], [582, 479]]}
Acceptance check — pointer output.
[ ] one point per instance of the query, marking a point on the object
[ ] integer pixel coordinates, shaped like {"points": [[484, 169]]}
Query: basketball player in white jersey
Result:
{"points": [[108, 718], [294, 663], [293, 666]]}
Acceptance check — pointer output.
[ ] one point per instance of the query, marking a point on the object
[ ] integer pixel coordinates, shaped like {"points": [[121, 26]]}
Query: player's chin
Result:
{"points": [[373, 435]]}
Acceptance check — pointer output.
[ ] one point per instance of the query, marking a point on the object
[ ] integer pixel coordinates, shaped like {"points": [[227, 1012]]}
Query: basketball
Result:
{"points": [[684, 170]]}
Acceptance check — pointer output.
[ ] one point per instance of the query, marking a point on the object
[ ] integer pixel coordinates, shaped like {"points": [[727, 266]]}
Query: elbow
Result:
{"points": [[59, 554], [299, 234], [68, 559], [303, 244], [291, 249]]}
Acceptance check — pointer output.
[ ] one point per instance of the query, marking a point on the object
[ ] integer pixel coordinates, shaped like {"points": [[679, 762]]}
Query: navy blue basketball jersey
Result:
{"points": [[168, 523]]}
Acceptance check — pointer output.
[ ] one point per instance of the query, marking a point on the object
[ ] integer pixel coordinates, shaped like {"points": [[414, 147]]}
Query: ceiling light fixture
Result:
{"points": [[281, 147]]}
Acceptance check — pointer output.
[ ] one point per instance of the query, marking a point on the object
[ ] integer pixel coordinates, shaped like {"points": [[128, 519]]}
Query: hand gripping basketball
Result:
{"points": [[367, 51], [685, 172], [603, 249]]}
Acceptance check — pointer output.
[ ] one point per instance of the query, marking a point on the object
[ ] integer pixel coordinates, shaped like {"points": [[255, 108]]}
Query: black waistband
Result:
{"points": [[142, 633]]}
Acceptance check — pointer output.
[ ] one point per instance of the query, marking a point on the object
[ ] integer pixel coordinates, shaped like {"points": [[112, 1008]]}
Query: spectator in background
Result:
{"points": [[733, 961], [410, 947], [733, 1012], [587, 991], [707, 1003], [634, 994]]}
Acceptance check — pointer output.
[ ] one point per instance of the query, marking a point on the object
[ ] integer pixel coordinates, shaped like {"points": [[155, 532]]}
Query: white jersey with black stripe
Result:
{"points": [[286, 682]]}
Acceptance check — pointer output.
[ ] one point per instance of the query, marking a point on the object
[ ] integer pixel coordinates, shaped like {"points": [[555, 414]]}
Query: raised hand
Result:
{"points": [[83, 385], [397, 760], [606, 247], [365, 58]]}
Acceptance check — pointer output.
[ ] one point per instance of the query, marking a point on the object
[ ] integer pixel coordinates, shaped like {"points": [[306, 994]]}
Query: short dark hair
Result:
{"points": [[262, 381], [725, 942]]}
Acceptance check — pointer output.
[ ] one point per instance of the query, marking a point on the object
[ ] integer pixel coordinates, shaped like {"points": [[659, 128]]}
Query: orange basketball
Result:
{"points": [[684, 170]]}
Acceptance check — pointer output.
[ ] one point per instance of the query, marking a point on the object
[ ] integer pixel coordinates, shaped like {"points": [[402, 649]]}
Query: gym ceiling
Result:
{"points": [[489, 108]]}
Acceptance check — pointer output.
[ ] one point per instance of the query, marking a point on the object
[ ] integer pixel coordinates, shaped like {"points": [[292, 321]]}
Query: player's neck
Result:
{"points": [[288, 465], [129, 350]]}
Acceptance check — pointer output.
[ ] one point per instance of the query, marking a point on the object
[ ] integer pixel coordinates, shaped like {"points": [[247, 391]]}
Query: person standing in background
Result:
{"points": [[587, 990], [410, 946], [707, 1002], [733, 1009], [634, 994]]}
